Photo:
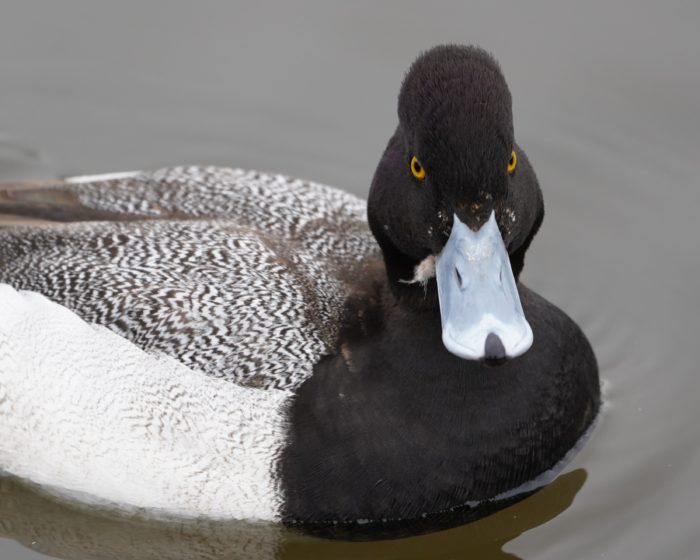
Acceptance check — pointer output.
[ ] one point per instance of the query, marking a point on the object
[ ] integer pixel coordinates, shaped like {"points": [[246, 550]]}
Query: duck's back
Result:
{"points": [[239, 274]]}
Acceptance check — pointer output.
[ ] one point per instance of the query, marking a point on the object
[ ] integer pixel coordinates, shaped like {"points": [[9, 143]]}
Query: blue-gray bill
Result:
{"points": [[482, 317]]}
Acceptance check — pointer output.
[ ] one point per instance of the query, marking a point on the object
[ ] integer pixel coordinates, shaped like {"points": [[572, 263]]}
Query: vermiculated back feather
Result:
{"points": [[235, 273]]}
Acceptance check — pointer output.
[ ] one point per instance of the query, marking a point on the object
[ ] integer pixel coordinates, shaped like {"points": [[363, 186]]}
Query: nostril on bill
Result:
{"points": [[494, 351], [459, 277]]}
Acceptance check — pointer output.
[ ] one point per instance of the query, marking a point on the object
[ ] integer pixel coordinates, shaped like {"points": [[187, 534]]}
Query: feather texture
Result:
{"points": [[252, 294], [151, 358]]}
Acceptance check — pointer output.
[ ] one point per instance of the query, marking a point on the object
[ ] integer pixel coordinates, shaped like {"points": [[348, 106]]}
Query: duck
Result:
{"points": [[208, 342]]}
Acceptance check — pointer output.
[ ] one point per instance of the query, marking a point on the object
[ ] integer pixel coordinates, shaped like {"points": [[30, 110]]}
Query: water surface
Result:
{"points": [[606, 105]]}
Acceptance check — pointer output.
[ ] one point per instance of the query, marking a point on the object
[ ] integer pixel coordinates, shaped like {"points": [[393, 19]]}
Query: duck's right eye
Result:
{"points": [[512, 162], [417, 169]]}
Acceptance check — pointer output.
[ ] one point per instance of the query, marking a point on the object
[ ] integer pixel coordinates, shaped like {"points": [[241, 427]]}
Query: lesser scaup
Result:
{"points": [[202, 341]]}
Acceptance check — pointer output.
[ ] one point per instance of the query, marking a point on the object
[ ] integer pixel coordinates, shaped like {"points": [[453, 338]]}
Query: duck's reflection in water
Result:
{"points": [[47, 525]]}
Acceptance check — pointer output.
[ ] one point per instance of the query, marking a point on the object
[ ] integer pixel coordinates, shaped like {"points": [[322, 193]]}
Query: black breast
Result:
{"points": [[397, 436]]}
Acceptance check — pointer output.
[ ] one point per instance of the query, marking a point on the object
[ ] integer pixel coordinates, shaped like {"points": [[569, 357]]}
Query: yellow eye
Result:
{"points": [[512, 162], [417, 169]]}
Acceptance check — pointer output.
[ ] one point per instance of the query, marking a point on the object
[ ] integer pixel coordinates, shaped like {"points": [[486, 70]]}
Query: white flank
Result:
{"points": [[101, 177], [85, 412]]}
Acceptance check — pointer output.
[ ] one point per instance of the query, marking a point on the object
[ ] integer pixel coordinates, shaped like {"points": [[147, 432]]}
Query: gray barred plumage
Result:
{"points": [[234, 273]]}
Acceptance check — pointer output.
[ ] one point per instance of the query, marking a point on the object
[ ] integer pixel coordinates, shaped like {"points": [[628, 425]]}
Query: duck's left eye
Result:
{"points": [[417, 169], [512, 162]]}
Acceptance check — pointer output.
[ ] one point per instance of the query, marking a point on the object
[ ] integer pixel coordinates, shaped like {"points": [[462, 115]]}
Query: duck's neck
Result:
{"points": [[384, 424], [394, 428]]}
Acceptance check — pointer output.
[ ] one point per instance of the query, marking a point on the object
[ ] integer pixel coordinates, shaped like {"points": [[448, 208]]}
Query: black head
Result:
{"points": [[455, 119]]}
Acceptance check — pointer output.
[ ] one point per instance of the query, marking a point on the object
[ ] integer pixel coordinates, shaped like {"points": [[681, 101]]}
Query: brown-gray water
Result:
{"points": [[607, 105]]}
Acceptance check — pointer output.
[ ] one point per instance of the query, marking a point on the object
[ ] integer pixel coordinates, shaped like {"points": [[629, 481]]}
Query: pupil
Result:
{"points": [[416, 166]]}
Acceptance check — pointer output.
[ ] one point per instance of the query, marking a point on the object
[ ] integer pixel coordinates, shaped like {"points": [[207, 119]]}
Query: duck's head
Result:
{"points": [[455, 203]]}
